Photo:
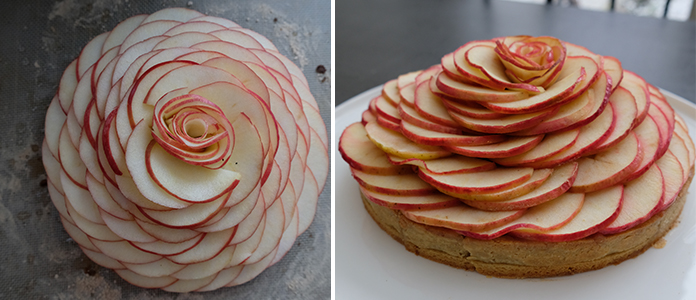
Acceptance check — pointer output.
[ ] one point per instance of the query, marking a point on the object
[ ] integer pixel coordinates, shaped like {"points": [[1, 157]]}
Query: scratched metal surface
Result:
{"points": [[38, 260]]}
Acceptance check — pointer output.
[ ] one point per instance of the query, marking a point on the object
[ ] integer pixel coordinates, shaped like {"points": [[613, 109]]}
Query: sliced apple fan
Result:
{"points": [[184, 152]]}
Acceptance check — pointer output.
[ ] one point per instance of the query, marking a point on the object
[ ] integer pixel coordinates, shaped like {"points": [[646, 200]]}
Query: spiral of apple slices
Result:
{"points": [[530, 137], [184, 152]]}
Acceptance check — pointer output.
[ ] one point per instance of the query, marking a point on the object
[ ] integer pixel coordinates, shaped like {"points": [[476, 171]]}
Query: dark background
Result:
{"points": [[378, 40], [38, 260]]}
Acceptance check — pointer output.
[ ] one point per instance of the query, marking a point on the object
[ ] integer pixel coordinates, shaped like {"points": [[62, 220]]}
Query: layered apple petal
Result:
{"points": [[185, 152]]}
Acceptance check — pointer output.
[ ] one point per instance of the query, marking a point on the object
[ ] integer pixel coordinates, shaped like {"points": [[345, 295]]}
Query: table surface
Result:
{"points": [[40, 38], [378, 40]]}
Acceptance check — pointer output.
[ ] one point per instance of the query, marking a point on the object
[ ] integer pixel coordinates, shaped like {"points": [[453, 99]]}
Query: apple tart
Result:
{"points": [[184, 151], [522, 157]]}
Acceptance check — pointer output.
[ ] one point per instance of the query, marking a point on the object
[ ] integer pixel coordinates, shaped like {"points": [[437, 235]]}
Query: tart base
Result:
{"points": [[510, 257]]}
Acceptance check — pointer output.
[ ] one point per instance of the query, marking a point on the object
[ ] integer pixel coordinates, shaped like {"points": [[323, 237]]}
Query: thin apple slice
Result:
{"points": [[429, 137], [551, 144], [505, 124], [612, 67], [185, 286], [210, 246], [409, 114], [648, 134], [166, 248], [642, 199], [102, 260], [127, 229], [403, 184], [599, 209], [124, 252], [450, 68], [145, 281], [682, 133], [472, 110], [187, 217], [446, 165], [678, 147], [483, 182], [390, 92], [387, 110], [395, 143], [608, 167], [428, 74], [672, 174], [410, 202], [553, 187], [206, 268], [666, 129], [624, 106], [466, 91], [407, 95], [361, 154], [637, 86], [484, 58], [463, 218], [546, 216], [159, 268], [590, 135], [536, 180], [511, 147], [429, 105]]}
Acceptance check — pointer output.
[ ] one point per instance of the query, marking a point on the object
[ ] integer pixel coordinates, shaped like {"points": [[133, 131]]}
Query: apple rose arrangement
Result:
{"points": [[528, 138], [184, 151]]}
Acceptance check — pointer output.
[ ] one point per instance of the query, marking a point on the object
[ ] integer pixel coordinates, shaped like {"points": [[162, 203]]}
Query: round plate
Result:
{"points": [[369, 264]]}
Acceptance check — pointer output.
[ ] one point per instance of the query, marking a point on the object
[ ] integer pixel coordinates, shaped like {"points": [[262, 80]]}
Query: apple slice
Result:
{"points": [[551, 144], [648, 134], [553, 187], [387, 110], [473, 110], [608, 167], [428, 74], [535, 181], [637, 86], [395, 143], [429, 105], [402, 184], [407, 95], [446, 165], [466, 91], [429, 137], [408, 202], [145, 281], [624, 105], [361, 154], [478, 62], [504, 124], [511, 147], [462, 217], [612, 67], [672, 174], [599, 209], [409, 114], [390, 92], [543, 217], [481, 182], [642, 199]]}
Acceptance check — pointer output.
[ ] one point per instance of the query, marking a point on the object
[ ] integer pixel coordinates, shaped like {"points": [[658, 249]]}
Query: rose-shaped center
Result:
{"points": [[533, 60], [194, 130]]}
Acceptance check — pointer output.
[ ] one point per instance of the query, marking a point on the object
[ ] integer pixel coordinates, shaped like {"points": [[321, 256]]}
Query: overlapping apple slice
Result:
{"points": [[186, 152]]}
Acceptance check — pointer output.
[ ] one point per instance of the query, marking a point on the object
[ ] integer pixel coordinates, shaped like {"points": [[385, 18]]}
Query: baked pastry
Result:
{"points": [[522, 157], [184, 151]]}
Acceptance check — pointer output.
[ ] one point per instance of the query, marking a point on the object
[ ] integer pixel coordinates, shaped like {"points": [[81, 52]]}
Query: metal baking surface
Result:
{"points": [[38, 260]]}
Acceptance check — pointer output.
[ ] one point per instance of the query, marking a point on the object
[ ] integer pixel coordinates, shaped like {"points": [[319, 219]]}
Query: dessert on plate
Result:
{"points": [[522, 157], [184, 151]]}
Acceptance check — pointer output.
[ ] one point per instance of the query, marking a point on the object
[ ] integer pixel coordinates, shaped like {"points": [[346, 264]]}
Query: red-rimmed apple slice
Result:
{"points": [[361, 154], [682, 134], [666, 129], [576, 76], [554, 186], [637, 86], [450, 68], [211, 245], [187, 217], [599, 209], [505, 124], [537, 179], [395, 143], [124, 252], [223, 277], [551, 144], [206, 268], [608, 167], [428, 74], [410, 202], [612, 67], [467, 91], [511, 147], [407, 95], [184, 286], [446, 165], [121, 31], [429, 105], [272, 233], [672, 174], [367, 116], [239, 38], [127, 229], [491, 181], [473, 110], [577, 112], [390, 92], [406, 79], [166, 248], [642, 198], [103, 260], [678, 147], [590, 135], [387, 110], [547, 216], [486, 60], [77, 235], [409, 114], [80, 198], [624, 106], [145, 281], [402, 184], [96, 231], [434, 138], [463, 218], [648, 134]]}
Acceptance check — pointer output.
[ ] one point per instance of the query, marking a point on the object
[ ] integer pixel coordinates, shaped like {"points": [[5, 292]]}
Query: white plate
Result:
{"points": [[371, 265]]}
